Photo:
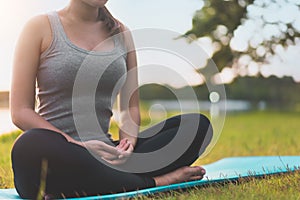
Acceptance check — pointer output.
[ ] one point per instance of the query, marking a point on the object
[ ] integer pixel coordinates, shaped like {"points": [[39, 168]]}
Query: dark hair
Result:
{"points": [[112, 24]]}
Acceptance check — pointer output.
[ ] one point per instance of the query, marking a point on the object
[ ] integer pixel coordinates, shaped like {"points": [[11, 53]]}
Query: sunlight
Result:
{"points": [[13, 11], [13, 15], [7, 40], [226, 76]]}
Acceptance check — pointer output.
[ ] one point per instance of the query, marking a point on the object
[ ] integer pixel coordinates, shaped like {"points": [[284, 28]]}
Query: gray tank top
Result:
{"points": [[99, 77]]}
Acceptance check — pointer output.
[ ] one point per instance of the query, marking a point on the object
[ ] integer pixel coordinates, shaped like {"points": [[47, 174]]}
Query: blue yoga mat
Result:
{"points": [[227, 169]]}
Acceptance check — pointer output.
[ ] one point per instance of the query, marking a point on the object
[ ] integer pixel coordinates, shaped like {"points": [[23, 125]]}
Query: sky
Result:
{"points": [[174, 15]]}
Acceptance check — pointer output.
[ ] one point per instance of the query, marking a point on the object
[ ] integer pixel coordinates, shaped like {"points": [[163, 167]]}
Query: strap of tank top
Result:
{"points": [[53, 20], [121, 40], [58, 33], [56, 26]]}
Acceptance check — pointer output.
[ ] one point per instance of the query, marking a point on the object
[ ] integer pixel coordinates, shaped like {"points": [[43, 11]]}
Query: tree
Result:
{"points": [[274, 24]]}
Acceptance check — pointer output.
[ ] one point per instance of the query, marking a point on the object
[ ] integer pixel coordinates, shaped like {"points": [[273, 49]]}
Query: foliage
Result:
{"points": [[220, 19], [278, 93]]}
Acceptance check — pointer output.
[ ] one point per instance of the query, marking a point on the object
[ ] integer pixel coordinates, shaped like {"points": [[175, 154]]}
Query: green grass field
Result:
{"points": [[244, 134]]}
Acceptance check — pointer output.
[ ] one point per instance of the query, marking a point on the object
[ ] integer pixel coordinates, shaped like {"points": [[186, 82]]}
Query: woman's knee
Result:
{"points": [[205, 127], [206, 124], [30, 137], [21, 143], [27, 155], [32, 143], [203, 122], [204, 130]]}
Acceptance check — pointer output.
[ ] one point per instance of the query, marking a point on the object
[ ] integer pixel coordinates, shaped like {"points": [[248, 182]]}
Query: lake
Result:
{"points": [[231, 105]]}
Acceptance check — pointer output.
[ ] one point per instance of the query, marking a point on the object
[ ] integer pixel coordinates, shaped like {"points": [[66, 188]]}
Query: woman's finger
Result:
{"points": [[108, 156], [115, 162], [131, 148], [108, 160], [125, 146], [109, 149], [122, 143], [128, 152], [120, 159]]}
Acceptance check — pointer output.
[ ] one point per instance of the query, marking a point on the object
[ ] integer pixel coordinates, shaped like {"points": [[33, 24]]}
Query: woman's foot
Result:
{"points": [[180, 175]]}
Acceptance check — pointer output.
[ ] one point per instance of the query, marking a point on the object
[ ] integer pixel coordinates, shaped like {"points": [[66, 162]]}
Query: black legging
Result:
{"points": [[73, 171]]}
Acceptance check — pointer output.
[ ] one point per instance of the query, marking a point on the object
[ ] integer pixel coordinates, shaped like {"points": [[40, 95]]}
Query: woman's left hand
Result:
{"points": [[126, 148]]}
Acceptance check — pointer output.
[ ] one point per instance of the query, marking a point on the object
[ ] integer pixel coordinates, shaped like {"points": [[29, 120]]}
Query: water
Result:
{"points": [[187, 105], [6, 124]]}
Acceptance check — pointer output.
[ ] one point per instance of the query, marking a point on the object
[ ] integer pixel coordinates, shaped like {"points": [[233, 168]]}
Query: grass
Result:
{"points": [[257, 133], [244, 134], [272, 187], [6, 175]]}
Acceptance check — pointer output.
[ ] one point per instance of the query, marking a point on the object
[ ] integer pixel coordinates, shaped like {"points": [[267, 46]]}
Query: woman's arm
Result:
{"points": [[34, 39], [129, 96]]}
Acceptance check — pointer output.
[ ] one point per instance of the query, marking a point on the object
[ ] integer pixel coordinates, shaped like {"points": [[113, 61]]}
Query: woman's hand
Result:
{"points": [[126, 147], [113, 155], [103, 150]]}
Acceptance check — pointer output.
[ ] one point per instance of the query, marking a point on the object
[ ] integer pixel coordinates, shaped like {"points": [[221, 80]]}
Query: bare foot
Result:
{"points": [[180, 175]]}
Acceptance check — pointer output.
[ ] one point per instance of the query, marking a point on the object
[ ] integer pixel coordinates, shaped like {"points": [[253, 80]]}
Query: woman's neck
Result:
{"points": [[80, 11]]}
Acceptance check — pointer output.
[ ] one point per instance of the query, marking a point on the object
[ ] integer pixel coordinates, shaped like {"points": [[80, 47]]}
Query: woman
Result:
{"points": [[51, 151]]}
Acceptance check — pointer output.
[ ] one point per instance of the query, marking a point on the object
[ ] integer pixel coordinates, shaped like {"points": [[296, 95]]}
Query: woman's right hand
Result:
{"points": [[103, 150]]}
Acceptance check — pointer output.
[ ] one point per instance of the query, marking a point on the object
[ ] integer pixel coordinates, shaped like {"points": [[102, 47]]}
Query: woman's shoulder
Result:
{"points": [[39, 25], [38, 30], [127, 36], [37, 22]]}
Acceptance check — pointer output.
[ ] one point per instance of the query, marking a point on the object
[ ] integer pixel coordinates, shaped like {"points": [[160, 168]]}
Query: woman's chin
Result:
{"points": [[99, 3]]}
